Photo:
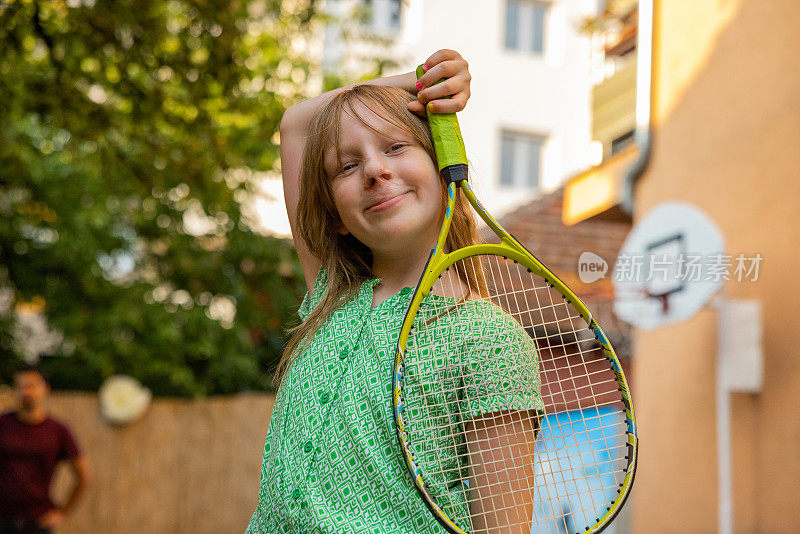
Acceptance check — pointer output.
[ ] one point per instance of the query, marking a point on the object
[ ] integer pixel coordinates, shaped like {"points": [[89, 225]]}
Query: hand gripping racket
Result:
{"points": [[511, 407]]}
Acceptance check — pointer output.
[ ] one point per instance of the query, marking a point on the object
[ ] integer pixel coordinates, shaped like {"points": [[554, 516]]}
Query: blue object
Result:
{"points": [[575, 477]]}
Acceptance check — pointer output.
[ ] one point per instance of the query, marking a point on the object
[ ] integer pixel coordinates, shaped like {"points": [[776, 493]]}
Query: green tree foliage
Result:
{"points": [[131, 133]]}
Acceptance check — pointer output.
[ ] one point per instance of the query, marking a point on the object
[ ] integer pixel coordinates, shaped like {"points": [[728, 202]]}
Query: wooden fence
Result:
{"points": [[185, 467]]}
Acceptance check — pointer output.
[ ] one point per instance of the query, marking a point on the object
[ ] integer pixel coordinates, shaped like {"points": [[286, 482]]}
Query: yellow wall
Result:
{"points": [[727, 138]]}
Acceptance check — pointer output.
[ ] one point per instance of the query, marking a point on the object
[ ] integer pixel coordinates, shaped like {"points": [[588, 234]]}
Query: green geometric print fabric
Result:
{"points": [[332, 463]]}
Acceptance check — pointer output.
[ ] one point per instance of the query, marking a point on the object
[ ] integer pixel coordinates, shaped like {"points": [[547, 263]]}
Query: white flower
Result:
{"points": [[123, 399]]}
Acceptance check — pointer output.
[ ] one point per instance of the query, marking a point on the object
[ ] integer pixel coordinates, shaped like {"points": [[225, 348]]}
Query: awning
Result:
{"points": [[598, 189]]}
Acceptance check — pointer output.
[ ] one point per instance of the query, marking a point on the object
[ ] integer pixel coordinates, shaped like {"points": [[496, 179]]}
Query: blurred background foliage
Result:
{"points": [[132, 133]]}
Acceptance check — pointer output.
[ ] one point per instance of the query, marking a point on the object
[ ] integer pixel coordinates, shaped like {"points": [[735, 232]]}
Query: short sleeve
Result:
{"points": [[310, 300], [69, 447], [501, 368]]}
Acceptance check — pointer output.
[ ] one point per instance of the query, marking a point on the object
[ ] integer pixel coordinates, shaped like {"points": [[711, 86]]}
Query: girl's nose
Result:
{"points": [[376, 169]]}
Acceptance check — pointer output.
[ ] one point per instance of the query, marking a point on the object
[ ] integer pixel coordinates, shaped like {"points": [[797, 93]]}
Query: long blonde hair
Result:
{"points": [[346, 260]]}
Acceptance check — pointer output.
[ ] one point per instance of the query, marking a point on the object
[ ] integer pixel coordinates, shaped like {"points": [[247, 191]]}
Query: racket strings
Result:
{"points": [[560, 305], [555, 396], [596, 377], [541, 468]]}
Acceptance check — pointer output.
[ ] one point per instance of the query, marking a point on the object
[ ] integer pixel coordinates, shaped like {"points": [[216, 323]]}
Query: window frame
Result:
{"points": [[533, 139], [546, 8], [385, 24]]}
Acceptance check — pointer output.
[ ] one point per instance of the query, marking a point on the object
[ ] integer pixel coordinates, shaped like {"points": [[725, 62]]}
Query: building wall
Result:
{"points": [[186, 467], [726, 133]]}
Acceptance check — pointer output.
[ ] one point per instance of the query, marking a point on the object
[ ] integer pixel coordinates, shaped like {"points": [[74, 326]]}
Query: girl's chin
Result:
{"points": [[401, 239]]}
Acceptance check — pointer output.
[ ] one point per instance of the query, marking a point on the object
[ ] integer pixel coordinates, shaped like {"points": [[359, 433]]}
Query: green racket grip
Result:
{"points": [[448, 144]]}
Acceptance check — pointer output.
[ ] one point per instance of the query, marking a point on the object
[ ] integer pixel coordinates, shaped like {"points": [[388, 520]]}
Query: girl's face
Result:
{"points": [[386, 189]]}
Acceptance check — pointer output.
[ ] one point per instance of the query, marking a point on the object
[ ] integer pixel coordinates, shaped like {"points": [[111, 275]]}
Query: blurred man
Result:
{"points": [[31, 445]]}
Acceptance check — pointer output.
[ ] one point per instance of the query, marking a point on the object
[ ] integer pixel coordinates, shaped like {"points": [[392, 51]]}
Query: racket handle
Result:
{"points": [[447, 142]]}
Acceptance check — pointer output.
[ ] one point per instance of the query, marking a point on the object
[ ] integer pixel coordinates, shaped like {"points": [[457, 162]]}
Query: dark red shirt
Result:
{"points": [[28, 457]]}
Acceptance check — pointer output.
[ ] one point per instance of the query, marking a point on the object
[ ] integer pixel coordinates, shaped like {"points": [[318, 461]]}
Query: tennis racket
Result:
{"points": [[511, 407]]}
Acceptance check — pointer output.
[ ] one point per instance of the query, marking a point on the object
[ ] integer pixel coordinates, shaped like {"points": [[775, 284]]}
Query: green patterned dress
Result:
{"points": [[332, 463]]}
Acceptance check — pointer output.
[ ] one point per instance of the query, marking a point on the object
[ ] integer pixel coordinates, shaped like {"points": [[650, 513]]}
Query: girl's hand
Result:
{"points": [[443, 64]]}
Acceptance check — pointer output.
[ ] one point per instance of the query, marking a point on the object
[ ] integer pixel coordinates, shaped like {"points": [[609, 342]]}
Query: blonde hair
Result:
{"points": [[346, 260]]}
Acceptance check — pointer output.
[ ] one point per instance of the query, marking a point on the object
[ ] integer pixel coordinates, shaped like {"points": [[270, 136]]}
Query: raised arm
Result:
{"points": [[296, 120]]}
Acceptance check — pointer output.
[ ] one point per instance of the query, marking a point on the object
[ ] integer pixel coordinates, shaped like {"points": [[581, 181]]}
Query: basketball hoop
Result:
{"points": [[662, 293]]}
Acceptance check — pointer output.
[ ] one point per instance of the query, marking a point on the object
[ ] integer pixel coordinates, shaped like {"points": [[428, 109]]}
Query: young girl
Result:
{"points": [[365, 203]]}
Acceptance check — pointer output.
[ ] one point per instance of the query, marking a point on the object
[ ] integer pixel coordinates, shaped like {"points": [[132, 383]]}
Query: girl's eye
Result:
{"points": [[348, 166], [396, 147]]}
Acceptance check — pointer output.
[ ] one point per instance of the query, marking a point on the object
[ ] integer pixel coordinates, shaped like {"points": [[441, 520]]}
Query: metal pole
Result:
{"points": [[724, 484]]}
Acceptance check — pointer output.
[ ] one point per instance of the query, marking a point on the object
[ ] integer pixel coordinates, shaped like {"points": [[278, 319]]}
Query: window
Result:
{"points": [[383, 14], [520, 157], [525, 26], [622, 141], [395, 12]]}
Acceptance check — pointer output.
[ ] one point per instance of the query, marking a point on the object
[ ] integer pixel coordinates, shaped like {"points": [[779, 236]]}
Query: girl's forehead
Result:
{"points": [[357, 117]]}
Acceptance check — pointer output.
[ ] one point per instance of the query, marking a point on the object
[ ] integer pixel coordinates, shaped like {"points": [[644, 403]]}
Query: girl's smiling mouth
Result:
{"points": [[386, 202]]}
